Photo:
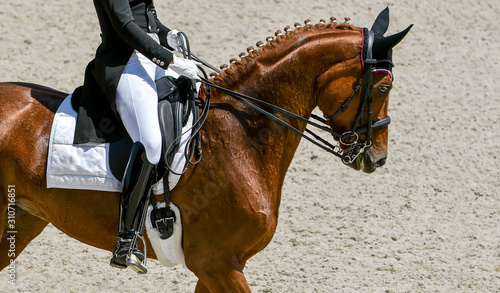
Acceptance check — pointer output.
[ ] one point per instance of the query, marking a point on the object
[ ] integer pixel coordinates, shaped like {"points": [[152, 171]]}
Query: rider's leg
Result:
{"points": [[136, 101], [137, 104], [133, 202]]}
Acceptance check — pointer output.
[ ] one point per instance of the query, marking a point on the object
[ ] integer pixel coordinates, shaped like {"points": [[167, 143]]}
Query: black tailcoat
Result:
{"points": [[125, 25]]}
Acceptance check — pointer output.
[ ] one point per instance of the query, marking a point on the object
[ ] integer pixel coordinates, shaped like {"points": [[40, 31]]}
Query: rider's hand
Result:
{"points": [[174, 40], [185, 67]]}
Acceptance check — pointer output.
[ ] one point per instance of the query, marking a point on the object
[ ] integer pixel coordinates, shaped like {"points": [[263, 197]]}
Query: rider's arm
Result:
{"points": [[162, 30], [120, 14]]}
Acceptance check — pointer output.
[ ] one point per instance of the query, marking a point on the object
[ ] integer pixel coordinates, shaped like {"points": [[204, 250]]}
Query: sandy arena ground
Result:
{"points": [[425, 222]]}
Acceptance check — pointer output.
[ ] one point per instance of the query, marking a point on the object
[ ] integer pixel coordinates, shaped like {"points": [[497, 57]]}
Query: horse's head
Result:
{"points": [[355, 101]]}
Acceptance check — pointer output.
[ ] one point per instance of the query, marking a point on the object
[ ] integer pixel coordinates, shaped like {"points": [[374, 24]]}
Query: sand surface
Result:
{"points": [[428, 221]]}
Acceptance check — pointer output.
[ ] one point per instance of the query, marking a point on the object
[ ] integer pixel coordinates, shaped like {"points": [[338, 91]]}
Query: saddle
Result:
{"points": [[177, 106], [177, 101]]}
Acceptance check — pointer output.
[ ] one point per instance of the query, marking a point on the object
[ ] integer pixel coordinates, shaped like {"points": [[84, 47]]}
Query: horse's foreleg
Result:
{"points": [[200, 288], [227, 277], [232, 281], [17, 233]]}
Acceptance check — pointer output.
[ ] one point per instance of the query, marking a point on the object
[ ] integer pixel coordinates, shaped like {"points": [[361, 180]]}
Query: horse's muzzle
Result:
{"points": [[366, 163]]}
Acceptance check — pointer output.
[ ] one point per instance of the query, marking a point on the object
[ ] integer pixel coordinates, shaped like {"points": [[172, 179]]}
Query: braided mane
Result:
{"points": [[237, 68]]}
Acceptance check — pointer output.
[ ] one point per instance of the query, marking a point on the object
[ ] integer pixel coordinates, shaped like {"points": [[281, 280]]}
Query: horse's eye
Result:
{"points": [[383, 89]]}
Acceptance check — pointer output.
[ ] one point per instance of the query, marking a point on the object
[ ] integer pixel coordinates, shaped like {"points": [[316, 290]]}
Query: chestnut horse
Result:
{"points": [[229, 202]]}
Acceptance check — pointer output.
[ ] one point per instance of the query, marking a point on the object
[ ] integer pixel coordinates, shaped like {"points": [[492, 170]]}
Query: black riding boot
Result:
{"points": [[133, 204]]}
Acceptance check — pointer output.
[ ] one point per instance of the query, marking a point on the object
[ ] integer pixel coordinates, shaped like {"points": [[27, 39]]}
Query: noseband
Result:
{"points": [[350, 139]]}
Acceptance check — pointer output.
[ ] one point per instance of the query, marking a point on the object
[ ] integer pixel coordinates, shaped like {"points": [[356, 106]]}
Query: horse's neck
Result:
{"points": [[286, 70], [285, 73]]}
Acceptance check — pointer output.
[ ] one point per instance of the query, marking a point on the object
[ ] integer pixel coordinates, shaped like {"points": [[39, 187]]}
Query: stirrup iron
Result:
{"points": [[133, 261]]}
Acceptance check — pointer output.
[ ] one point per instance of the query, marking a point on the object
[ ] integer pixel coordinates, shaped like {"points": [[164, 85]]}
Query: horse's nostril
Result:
{"points": [[381, 162]]}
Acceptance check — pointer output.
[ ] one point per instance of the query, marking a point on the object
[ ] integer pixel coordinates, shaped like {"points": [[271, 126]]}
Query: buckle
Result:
{"points": [[165, 226], [163, 220]]}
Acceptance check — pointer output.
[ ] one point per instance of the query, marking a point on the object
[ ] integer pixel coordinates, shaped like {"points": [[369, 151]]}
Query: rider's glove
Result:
{"points": [[174, 40], [185, 67]]}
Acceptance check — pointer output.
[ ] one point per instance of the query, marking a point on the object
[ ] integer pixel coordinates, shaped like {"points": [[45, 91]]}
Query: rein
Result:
{"points": [[244, 99], [350, 138]]}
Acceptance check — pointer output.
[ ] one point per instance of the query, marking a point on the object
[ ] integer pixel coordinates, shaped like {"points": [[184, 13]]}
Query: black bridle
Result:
{"points": [[351, 139], [349, 145]]}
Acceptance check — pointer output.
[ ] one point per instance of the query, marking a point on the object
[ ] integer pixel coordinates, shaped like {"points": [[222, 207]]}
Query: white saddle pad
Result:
{"points": [[86, 166]]}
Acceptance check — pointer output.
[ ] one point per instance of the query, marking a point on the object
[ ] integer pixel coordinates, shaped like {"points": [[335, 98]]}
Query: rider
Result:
{"points": [[129, 60]]}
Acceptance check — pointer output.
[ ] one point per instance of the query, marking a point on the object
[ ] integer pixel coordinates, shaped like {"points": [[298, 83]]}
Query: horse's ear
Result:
{"points": [[384, 44], [381, 23]]}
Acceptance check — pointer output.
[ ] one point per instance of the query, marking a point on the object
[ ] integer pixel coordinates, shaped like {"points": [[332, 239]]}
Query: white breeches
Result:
{"points": [[137, 103]]}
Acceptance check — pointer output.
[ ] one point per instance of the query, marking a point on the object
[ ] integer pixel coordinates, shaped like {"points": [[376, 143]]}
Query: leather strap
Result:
{"points": [[163, 218]]}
